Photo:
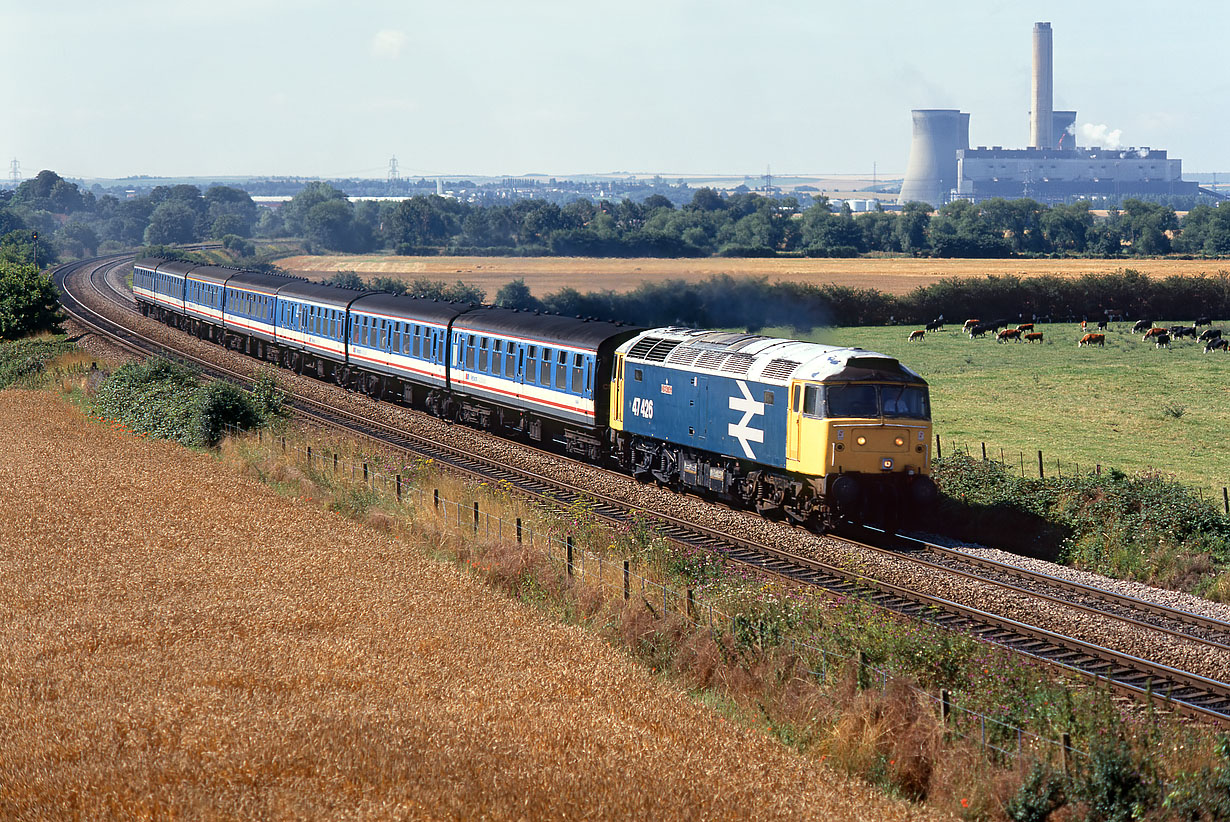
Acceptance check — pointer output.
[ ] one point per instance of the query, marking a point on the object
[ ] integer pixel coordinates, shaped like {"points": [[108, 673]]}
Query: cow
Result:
{"points": [[936, 325], [1210, 334], [1163, 340], [1008, 334], [1142, 325], [978, 331], [1102, 325], [1183, 331], [1092, 339], [916, 336], [1034, 336], [1025, 327], [1218, 344], [1202, 321], [1153, 332], [969, 324]]}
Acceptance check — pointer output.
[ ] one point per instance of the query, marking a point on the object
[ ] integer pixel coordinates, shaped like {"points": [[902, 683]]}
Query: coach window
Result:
{"points": [[769, 398], [483, 356], [561, 370], [510, 363], [529, 364], [577, 387]]}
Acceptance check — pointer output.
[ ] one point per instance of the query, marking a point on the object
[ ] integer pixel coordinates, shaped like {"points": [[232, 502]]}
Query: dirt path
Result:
{"points": [[179, 641]]}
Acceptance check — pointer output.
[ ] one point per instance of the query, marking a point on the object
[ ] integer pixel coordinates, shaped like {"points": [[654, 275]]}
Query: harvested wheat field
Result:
{"points": [[545, 275], [181, 641]]}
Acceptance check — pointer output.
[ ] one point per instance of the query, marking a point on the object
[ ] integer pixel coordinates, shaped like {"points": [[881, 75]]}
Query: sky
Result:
{"points": [[450, 87]]}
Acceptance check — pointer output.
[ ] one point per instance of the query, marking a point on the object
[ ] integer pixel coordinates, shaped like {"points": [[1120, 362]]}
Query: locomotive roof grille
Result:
{"points": [[738, 363], [711, 359], [642, 347], [660, 351], [684, 355], [779, 369]]}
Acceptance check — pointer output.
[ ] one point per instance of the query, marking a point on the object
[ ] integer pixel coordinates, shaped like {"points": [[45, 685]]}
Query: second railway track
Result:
{"points": [[1157, 650]]}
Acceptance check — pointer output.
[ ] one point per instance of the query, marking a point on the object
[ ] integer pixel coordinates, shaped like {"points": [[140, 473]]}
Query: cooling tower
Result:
{"points": [[932, 170], [1041, 114], [1063, 130]]}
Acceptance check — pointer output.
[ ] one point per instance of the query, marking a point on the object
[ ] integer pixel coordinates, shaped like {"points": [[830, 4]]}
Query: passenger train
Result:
{"points": [[814, 433]]}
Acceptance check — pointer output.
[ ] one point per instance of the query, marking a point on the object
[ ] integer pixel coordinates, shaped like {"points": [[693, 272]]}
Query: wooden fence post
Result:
{"points": [[436, 498], [476, 516], [399, 487], [1040, 474], [569, 543], [627, 587], [984, 452], [518, 530], [939, 451], [1065, 751], [945, 705]]}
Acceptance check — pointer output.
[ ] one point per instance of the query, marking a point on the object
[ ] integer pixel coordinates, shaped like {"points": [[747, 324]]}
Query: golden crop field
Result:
{"points": [[181, 641], [545, 275]]}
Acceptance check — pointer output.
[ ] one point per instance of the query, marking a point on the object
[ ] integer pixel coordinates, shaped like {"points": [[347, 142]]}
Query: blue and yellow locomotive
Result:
{"points": [[815, 433]]}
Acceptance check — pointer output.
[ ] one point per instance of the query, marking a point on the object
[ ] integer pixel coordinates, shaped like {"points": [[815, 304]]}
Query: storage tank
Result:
{"points": [[931, 173]]}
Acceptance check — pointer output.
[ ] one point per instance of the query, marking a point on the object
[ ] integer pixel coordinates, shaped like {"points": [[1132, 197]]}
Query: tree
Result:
{"points": [[172, 222], [29, 301], [77, 239], [330, 224], [910, 231], [517, 295], [294, 212]]}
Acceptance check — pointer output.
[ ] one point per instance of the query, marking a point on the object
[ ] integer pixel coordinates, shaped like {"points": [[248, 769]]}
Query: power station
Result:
{"points": [[1052, 169]]}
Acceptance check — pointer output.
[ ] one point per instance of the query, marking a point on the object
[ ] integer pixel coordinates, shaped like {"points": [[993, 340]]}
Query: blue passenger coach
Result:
{"points": [[249, 307], [401, 342]]}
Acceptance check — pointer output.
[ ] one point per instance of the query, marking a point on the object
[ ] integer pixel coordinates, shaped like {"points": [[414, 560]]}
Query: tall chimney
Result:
{"points": [[1041, 117]]}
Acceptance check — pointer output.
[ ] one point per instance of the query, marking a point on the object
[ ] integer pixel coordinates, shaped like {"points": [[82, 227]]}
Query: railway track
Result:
{"points": [[1132, 673]]}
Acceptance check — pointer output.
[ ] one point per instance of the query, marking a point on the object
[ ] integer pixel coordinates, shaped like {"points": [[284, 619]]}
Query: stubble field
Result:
{"points": [[180, 641], [545, 275]]}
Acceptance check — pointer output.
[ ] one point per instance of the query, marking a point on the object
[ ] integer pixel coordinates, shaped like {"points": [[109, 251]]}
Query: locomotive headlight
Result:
{"points": [[900, 441], [887, 463], [861, 440]]}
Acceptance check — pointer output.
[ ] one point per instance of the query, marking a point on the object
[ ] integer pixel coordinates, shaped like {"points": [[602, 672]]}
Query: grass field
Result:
{"points": [[1080, 405], [545, 275]]}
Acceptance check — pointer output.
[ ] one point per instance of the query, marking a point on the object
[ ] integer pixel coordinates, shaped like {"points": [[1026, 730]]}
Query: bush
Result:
{"points": [[22, 360], [166, 400], [1119, 784], [29, 302], [1040, 795], [1117, 524]]}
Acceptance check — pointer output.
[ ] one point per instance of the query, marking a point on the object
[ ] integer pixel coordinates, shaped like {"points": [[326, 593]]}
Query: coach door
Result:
{"points": [[617, 395]]}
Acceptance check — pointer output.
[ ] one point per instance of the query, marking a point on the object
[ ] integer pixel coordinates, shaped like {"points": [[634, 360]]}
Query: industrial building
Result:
{"points": [[1052, 169]]}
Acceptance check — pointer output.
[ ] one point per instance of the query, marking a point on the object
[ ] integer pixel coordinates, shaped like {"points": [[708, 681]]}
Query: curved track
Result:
{"points": [[85, 283]]}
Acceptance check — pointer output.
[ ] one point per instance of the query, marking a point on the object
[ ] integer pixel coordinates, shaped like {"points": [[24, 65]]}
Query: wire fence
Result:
{"points": [[1000, 741], [1025, 463]]}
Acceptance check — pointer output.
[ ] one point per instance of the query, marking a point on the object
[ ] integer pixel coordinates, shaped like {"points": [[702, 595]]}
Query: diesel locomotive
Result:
{"points": [[814, 433]]}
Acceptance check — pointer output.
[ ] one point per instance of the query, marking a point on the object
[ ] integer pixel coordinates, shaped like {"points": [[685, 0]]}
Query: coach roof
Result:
{"points": [[260, 283], [409, 309], [214, 274], [551, 329], [320, 294]]}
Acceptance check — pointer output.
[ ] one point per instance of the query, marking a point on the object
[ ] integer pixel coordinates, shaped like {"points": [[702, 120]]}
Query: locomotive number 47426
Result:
{"points": [[642, 408]]}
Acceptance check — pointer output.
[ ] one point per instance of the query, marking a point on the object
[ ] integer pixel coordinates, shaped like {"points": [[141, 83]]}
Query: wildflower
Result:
{"points": [[964, 803]]}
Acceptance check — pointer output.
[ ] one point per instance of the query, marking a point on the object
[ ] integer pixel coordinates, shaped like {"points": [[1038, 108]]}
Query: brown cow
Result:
{"points": [[1153, 332], [968, 325], [1035, 336], [1008, 334], [916, 335], [1025, 327], [1092, 339]]}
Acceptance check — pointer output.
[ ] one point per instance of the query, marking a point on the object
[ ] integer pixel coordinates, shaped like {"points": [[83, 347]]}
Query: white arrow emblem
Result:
{"points": [[742, 431]]}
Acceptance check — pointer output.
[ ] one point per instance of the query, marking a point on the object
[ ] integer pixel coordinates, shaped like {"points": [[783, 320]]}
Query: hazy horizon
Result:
{"points": [[273, 88]]}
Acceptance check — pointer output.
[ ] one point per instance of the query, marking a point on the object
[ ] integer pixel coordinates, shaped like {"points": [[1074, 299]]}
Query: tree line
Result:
{"points": [[76, 223]]}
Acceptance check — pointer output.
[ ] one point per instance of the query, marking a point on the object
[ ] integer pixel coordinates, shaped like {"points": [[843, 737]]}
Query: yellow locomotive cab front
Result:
{"points": [[876, 435]]}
